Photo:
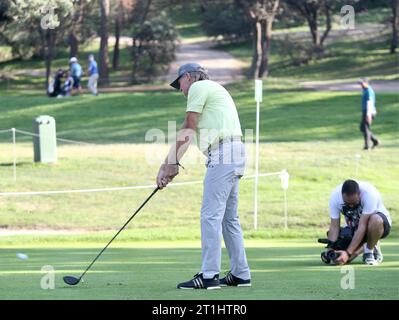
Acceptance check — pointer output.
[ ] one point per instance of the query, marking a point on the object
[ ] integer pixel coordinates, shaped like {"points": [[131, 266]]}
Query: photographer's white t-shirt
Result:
{"points": [[370, 201]]}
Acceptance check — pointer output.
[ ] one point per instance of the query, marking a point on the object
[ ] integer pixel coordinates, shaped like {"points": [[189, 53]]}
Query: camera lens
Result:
{"points": [[332, 255]]}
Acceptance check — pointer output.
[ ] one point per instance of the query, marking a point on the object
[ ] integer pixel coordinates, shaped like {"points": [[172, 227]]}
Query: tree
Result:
{"points": [[121, 11], [36, 28], [142, 10], [154, 46], [311, 10], [395, 25], [118, 27], [226, 19], [72, 37], [127, 13], [4, 12], [82, 25], [261, 13], [103, 56]]}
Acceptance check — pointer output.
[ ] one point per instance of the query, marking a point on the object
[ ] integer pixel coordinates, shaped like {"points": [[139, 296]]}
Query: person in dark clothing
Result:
{"points": [[57, 85], [368, 114], [68, 84]]}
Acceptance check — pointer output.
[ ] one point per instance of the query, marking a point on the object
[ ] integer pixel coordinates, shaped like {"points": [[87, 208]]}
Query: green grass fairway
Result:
{"points": [[314, 135], [288, 269]]}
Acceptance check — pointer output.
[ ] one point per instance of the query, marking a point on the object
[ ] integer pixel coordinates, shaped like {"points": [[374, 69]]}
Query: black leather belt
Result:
{"points": [[224, 140]]}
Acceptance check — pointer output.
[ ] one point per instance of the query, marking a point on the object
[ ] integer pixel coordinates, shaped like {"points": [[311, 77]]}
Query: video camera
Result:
{"points": [[342, 243], [329, 255]]}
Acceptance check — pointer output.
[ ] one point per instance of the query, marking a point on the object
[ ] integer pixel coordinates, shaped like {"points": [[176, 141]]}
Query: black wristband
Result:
{"points": [[177, 164]]}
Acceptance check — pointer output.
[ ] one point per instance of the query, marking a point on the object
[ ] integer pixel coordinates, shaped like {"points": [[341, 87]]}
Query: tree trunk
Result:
{"points": [[115, 58], [267, 36], [257, 52], [73, 45], [118, 27], [262, 16], [146, 11], [49, 53], [327, 12], [47, 61], [314, 31], [136, 54], [264, 68], [103, 56], [310, 11], [73, 40], [43, 55], [203, 6], [395, 25]]}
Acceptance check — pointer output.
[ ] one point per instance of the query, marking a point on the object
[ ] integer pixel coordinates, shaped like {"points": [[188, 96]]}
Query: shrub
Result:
{"points": [[228, 20], [154, 46]]}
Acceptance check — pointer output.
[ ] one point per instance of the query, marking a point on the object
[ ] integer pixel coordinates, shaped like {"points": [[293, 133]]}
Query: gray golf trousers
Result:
{"points": [[219, 211]]}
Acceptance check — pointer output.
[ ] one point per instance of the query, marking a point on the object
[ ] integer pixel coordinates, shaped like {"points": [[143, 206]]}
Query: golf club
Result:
{"points": [[73, 280]]}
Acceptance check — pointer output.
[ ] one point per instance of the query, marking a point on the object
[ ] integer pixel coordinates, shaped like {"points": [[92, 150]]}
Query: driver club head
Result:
{"points": [[71, 280]]}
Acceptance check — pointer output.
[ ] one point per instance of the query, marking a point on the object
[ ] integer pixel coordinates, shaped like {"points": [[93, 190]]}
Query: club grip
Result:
{"points": [[326, 241]]}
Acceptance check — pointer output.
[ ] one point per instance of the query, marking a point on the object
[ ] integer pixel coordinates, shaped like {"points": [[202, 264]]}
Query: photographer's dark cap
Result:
{"points": [[188, 67]]}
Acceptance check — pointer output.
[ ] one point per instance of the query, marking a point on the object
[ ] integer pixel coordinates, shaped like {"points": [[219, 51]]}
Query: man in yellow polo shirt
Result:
{"points": [[212, 119]]}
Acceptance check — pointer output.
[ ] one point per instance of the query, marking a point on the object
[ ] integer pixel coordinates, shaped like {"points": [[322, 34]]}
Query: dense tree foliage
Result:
{"points": [[154, 45]]}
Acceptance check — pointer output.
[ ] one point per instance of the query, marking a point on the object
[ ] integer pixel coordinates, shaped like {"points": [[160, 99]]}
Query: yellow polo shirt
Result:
{"points": [[219, 117]]}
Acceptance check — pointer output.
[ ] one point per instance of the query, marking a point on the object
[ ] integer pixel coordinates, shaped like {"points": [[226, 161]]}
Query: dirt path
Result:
{"points": [[387, 86], [222, 66]]}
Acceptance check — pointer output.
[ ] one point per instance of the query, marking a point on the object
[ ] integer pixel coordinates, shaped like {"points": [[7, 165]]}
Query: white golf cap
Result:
{"points": [[73, 59], [363, 80]]}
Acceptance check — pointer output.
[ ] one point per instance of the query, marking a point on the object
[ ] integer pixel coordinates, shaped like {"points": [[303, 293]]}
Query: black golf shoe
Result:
{"points": [[198, 282], [233, 281], [375, 143]]}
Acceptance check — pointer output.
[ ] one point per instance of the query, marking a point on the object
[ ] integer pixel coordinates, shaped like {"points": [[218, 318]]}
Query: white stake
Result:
{"points": [[258, 99], [256, 168], [285, 210], [285, 177], [14, 148]]}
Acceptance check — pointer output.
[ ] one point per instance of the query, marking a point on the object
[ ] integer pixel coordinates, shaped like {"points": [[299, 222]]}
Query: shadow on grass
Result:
{"points": [[18, 164]]}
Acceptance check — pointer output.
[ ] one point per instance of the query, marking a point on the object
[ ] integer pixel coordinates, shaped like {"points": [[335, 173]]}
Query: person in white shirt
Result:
{"points": [[365, 215]]}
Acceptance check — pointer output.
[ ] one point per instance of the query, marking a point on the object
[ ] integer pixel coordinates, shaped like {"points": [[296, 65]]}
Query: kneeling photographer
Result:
{"points": [[367, 221]]}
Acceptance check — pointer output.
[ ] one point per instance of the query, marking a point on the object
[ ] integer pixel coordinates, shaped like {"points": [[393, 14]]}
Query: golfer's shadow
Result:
{"points": [[61, 285]]}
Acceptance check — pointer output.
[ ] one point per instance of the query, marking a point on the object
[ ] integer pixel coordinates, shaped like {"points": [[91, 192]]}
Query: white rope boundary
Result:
{"points": [[177, 184], [37, 135], [59, 139], [282, 174]]}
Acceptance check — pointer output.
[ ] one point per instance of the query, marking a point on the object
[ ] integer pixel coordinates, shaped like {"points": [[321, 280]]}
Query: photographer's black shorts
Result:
{"points": [[387, 226]]}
